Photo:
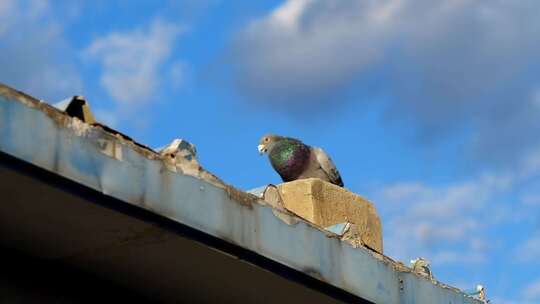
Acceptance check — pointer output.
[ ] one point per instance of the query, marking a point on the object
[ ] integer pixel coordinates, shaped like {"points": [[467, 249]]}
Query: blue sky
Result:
{"points": [[429, 108]]}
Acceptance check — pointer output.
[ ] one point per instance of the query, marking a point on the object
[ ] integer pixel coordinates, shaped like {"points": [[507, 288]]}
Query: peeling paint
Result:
{"points": [[245, 199], [78, 126]]}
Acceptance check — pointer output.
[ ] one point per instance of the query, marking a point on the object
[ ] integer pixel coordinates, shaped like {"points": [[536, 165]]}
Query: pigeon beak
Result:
{"points": [[261, 149]]}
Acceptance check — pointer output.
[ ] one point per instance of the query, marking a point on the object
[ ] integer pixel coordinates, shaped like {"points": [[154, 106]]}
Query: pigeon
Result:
{"points": [[295, 160]]}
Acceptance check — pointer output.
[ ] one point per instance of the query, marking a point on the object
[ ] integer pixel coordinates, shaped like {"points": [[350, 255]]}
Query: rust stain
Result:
{"points": [[13, 94], [245, 199]]}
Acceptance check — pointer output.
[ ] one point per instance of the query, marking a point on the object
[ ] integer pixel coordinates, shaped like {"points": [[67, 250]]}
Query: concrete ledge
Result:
{"points": [[98, 158], [325, 204]]}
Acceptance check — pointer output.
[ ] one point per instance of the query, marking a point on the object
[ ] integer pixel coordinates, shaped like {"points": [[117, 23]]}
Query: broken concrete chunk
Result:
{"points": [[181, 156], [270, 195], [421, 266], [258, 192], [325, 204]]}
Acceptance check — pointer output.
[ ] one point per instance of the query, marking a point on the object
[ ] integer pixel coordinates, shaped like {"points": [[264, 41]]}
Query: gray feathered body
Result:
{"points": [[289, 157], [294, 160]]}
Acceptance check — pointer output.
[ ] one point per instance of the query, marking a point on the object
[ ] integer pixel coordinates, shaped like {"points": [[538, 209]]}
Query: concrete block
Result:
{"points": [[325, 204]]}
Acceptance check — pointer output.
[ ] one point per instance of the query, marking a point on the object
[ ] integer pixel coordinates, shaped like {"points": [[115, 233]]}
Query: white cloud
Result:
{"points": [[290, 55], [530, 199], [532, 291], [529, 251], [131, 61], [445, 224], [178, 74], [7, 7], [12, 11], [460, 257], [35, 56], [288, 14], [449, 66]]}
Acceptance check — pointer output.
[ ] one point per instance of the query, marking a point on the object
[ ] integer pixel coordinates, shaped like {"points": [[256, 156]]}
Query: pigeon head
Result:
{"points": [[267, 142]]}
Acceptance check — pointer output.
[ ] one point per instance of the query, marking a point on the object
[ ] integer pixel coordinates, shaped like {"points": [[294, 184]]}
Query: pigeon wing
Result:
{"points": [[328, 166]]}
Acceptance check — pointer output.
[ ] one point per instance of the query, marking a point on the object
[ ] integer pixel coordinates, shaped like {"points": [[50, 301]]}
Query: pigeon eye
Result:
{"points": [[266, 139]]}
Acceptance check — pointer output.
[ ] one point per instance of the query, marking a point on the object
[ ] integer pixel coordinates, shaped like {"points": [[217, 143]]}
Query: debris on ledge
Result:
{"points": [[181, 156], [421, 266], [269, 195], [479, 293], [178, 156]]}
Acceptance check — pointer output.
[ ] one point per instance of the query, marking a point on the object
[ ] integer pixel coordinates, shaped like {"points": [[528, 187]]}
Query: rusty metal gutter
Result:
{"points": [[110, 163]]}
